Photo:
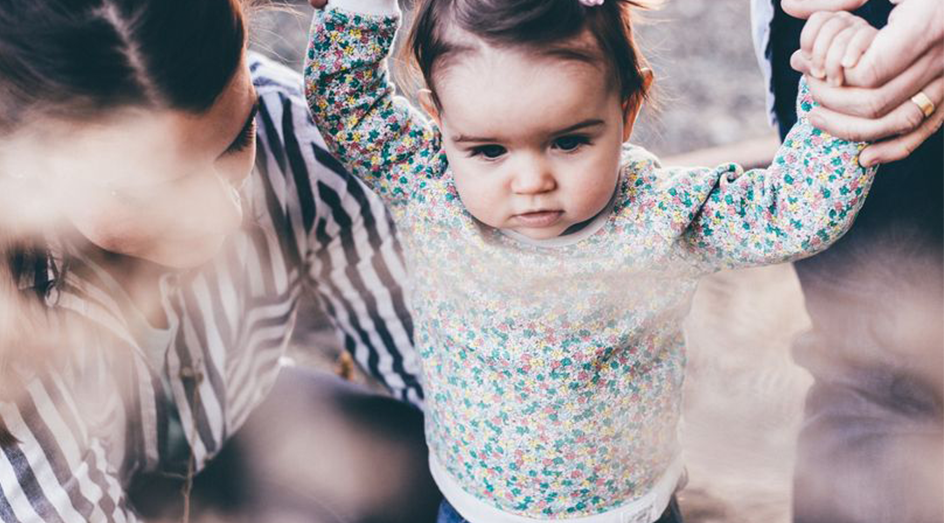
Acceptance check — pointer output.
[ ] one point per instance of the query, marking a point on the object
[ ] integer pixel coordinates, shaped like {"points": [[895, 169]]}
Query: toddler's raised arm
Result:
{"points": [[377, 135], [797, 207]]}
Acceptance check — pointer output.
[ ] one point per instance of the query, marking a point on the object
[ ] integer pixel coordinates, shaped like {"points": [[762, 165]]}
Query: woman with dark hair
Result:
{"points": [[164, 202]]}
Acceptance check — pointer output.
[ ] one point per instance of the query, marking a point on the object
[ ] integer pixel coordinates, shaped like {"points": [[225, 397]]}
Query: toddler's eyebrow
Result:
{"points": [[475, 139], [582, 125], [461, 138]]}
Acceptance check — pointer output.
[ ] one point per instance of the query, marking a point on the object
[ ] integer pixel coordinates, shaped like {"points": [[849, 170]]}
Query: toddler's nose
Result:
{"points": [[533, 178]]}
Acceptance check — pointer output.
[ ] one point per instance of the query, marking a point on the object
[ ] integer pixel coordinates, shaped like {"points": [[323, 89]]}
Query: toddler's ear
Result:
{"points": [[428, 104], [633, 104]]}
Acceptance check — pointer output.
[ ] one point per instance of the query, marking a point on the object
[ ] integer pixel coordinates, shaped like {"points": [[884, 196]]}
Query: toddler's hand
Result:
{"points": [[833, 42]]}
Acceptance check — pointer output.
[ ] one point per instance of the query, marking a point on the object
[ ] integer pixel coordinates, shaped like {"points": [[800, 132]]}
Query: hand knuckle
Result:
{"points": [[819, 16], [870, 75], [849, 132], [869, 109], [874, 107], [912, 120]]}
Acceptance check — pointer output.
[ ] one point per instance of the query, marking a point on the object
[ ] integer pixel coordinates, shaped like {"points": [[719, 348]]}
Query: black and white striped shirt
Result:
{"points": [[129, 397]]}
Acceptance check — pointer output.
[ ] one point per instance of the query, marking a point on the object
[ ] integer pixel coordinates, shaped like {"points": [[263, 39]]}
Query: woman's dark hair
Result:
{"points": [[536, 24], [73, 60]]}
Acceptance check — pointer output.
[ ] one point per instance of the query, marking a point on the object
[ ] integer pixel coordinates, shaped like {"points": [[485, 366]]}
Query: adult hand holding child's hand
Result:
{"points": [[895, 90]]}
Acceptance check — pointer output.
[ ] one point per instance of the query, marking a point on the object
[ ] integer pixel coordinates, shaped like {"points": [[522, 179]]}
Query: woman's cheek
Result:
{"points": [[184, 254], [220, 210], [116, 232]]}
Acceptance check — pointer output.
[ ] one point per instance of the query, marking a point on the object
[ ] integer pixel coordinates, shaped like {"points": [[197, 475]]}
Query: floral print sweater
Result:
{"points": [[554, 371]]}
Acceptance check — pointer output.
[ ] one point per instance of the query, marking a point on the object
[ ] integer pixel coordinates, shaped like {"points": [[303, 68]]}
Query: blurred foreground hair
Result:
{"points": [[77, 61]]}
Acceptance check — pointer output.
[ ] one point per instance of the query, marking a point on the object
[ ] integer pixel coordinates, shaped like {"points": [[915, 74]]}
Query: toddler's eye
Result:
{"points": [[488, 151], [570, 143]]}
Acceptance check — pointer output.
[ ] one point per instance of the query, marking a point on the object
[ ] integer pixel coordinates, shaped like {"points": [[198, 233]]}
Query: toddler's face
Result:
{"points": [[533, 141]]}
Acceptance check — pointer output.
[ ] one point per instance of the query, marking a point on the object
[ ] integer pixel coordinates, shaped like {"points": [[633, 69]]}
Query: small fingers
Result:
{"points": [[825, 37], [811, 31], [857, 46], [800, 62], [847, 47], [832, 64]]}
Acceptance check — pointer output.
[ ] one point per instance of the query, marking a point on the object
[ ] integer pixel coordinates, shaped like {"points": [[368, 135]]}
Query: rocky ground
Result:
{"points": [[743, 393]]}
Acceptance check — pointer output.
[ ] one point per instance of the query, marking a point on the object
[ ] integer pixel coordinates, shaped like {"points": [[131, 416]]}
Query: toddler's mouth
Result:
{"points": [[538, 219]]}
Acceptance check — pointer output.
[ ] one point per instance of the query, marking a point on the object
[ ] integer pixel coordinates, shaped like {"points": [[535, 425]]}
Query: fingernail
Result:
{"points": [[847, 62], [866, 161], [817, 73], [835, 81]]}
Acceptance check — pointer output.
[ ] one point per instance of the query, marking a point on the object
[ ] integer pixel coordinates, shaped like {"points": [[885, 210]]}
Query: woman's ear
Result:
{"points": [[633, 104], [428, 104]]}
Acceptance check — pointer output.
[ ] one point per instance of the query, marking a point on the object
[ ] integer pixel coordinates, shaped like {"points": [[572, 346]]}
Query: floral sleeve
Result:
{"points": [[801, 204], [377, 135]]}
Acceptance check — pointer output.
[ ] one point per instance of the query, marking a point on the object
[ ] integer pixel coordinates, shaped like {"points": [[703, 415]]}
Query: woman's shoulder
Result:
{"points": [[294, 166], [283, 119], [269, 75]]}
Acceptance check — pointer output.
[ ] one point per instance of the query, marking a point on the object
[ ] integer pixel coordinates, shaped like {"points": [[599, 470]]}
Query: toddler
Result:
{"points": [[552, 263]]}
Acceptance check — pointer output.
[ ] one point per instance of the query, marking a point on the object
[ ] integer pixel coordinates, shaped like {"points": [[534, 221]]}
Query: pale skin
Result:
{"points": [[533, 140], [149, 189], [874, 100]]}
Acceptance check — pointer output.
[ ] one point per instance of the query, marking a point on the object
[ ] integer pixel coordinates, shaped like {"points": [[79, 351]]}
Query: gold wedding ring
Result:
{"points": [[924, 103]]}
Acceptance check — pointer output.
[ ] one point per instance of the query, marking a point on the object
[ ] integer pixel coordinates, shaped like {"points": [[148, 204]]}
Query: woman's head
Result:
{"points": [[534, 98], [132, 115]]}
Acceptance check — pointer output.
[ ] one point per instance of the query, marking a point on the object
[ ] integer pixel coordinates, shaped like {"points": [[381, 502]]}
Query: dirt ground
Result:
{"points": [[743, 393]]}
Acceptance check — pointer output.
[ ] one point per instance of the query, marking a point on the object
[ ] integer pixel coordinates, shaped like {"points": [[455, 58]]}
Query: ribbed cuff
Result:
{"points": [[367, 7]]}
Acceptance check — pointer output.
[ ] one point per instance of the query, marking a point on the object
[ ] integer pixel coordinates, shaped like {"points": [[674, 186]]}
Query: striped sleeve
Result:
{"points": [[52, 469], [342, 235]]}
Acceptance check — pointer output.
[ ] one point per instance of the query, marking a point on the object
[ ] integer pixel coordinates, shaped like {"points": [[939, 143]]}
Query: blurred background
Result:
{"points": [[744, 395]]}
